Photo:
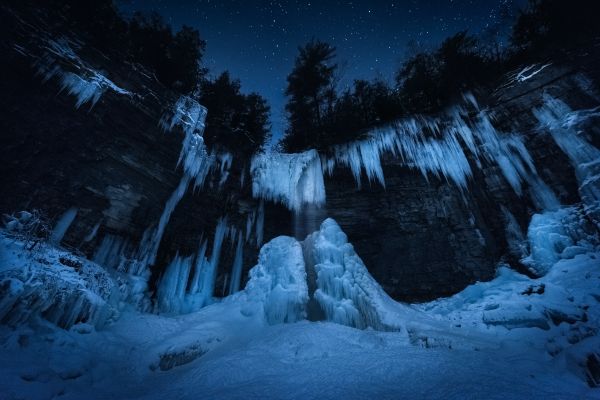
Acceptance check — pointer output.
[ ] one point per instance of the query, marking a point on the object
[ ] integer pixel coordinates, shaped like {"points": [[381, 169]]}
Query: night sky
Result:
{"points": [[257, 41]]}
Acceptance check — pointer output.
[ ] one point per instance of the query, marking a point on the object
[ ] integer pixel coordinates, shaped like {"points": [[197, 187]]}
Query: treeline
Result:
{"points": [[429, 80], [237, 121]]}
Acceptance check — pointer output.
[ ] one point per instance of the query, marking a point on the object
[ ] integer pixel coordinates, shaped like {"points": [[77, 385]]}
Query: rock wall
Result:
{"points": [[420, 239]]}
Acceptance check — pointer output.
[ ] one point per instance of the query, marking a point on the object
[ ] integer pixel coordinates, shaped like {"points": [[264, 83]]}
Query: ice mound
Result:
{"points": [[46, 283], [345, 290], [278, 282]]}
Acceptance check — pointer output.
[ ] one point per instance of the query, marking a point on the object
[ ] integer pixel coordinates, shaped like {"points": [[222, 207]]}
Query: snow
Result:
{"points": [[62, 226], [512, 337], [290, 179], [529, 72]]}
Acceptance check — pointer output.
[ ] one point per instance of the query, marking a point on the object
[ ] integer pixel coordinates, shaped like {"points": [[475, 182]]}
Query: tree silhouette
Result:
{"points": [[235, 121], [311, 95]]}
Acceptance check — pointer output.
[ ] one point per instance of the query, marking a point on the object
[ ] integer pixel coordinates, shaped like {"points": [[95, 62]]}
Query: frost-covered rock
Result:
{"points": [[278, 282], [290, 179], [45, 283], [345, 290]]}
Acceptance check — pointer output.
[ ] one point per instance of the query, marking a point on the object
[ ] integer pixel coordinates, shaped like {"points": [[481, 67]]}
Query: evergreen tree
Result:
{"points": [[311, 96]]}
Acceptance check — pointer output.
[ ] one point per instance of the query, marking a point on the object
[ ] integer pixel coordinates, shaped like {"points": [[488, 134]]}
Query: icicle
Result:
{"points": [[225, 160], [90, 236], [62, 225], [149, 247], [558, 118], [88, 85], [203, 284], [198, 268], [260, 223], [236, 269]]}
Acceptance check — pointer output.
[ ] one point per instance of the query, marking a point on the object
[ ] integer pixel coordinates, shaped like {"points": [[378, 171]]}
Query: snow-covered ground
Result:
{"points": [[510, 338]]}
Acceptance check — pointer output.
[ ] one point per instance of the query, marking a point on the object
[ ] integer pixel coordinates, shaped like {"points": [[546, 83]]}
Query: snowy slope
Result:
{"points": [[512, 337]]}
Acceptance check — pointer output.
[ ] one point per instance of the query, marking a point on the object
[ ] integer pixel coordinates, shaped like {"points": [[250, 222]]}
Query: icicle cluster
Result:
{"points": [[556, 235], [441, 146], [188, 283], [290, 179], [568, 129], [87, 85]]}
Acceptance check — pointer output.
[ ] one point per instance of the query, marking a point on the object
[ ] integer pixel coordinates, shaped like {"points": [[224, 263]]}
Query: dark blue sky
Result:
{"points": [[257, 41]]}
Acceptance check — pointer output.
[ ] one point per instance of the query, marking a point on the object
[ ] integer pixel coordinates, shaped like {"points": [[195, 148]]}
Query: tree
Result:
{"points": [[175, 58], [311, 95], [550, 25], [430, 80], [235, 121]]}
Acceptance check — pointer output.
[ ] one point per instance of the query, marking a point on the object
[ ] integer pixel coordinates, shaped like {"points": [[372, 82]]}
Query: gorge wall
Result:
{"points": [[112, 160]]}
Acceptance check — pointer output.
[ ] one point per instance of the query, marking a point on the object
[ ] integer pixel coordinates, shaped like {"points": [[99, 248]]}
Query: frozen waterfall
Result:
{"points": [[290, 179]]}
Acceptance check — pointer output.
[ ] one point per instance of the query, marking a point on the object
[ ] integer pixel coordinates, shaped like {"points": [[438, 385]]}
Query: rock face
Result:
{"points": [[420, 239]]}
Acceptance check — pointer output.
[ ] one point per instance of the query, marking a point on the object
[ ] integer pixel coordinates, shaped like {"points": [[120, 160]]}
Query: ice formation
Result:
{"points": [[236, 269], [290, 179], [190, 116], [442, 146], [171, 293], [112, 252], [87, 85], [345, 290], [150, 243], [176, 292], [62, 225], [529, 72], [278, 282], [556, 235], [567, 127]]}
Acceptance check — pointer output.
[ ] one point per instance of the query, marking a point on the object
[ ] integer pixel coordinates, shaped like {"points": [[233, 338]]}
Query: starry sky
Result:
{"points": [[257, 41]]}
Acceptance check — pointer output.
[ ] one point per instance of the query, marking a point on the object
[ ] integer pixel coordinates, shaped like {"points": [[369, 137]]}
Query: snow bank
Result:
{"points": [[345, 290], [290, 179], [278, 282]]}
